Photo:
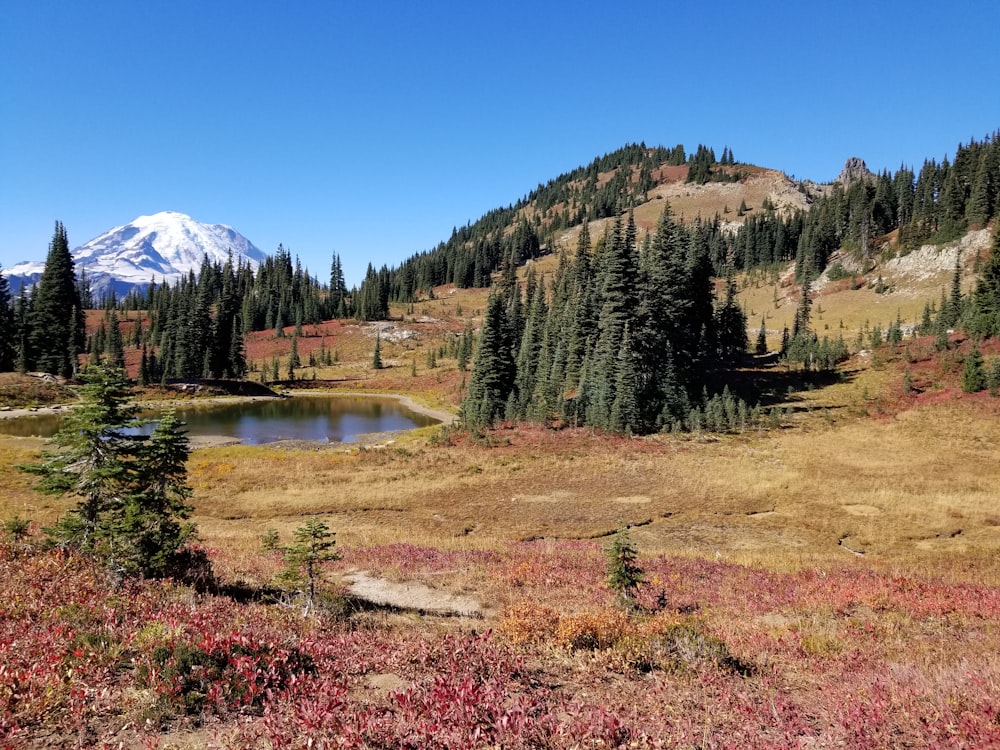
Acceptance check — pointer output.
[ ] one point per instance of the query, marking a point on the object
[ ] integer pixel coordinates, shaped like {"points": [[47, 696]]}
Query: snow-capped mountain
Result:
{"points": [[163, 248]]}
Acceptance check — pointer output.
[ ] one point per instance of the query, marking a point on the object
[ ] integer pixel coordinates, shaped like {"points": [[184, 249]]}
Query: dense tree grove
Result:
{"points": [[620, 341]]}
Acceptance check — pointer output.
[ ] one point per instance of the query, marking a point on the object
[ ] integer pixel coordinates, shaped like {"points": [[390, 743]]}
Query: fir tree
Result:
{"points": [[973, 372], [116, 346], [985, 318], [731, 323], [90, 458], [624, 573], [8, 327], [56, 324], [377, 354], [761, 346], [493, 370], [625, 411], [619, 276], [152, 525], [304, 559]]}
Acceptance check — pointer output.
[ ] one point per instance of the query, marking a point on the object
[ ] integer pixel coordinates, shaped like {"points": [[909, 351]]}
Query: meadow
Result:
{"points": [[827, 581]]}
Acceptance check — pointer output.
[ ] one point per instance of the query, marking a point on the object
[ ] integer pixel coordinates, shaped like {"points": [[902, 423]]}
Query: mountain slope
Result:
{"points": [[163, 248]]}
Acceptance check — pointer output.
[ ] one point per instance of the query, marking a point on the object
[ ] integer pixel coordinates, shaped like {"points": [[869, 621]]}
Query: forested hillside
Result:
{"points": [[559, 327]]}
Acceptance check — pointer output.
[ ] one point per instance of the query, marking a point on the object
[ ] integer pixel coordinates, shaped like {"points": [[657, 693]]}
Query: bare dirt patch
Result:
{"points": [[860, 509], [411, 595], [632, 499]]}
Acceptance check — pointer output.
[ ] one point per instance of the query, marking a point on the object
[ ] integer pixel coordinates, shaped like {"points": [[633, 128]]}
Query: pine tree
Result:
{"points": [[973, 372], [8, 328], [304, 559], [493, 370], [985, 318], [761, 345], [377, 354], [152, 525], [89, 458], [624, 573], [56, 324]]}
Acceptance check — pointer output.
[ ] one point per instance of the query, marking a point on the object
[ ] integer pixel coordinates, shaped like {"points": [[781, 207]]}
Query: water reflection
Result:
{"points": [[324, 419]]}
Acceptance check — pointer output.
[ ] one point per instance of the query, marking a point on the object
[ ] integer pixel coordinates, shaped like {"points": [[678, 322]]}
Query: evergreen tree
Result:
{"points": [[951, 311], [800, 325], [493, 370], [152, 525], [8, 328], [624, 573], [973, 372], [619, 276], [293, 356], [985, 318], [56, 324], [89, 458], [22, 325], [625, 410], [465, 348], [761, 346], [377, 354], [314, 545], [116, 346], [338, 289], [731, 323], [143, 377]]}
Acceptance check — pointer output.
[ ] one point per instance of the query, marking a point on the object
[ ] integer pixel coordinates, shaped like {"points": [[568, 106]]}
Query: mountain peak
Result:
{"points": [[163, 247]]}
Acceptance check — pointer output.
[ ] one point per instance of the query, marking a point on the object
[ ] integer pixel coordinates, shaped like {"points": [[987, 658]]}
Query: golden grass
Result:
{"points": [[917, 492]]}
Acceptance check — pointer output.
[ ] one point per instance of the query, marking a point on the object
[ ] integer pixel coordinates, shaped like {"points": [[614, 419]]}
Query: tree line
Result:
{"points": [[193, 328]]}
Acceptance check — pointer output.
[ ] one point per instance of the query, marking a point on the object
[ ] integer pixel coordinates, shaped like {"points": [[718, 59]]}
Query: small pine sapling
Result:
{"points": [[304, 559], [624, 573]]}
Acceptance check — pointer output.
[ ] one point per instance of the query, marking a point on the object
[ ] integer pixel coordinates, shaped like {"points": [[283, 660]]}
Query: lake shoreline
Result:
{"points": [[198, 442]]}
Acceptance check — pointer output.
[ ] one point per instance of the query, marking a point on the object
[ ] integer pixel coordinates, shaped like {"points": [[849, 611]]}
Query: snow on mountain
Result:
{"points": [[163, 248]]}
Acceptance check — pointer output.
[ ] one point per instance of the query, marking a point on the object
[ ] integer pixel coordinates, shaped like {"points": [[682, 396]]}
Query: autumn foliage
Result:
{"points": [[713, 654]]}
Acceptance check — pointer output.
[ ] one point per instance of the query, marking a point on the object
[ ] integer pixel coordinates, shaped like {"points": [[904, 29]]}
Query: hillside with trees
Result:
{"points": [[623, 254]]}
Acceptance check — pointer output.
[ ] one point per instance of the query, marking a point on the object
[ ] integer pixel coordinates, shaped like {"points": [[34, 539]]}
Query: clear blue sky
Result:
{"points": [[372, 128]]}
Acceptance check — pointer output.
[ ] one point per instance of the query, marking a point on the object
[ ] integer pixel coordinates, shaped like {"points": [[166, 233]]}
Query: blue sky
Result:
{"points": [[371, 129]]}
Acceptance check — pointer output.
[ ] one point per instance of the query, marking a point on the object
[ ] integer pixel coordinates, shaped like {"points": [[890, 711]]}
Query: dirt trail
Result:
{"points": [[411, 595]]}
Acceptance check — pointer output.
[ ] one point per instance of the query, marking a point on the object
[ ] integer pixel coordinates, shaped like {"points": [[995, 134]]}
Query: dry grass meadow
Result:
{"points": [[858, 473]]}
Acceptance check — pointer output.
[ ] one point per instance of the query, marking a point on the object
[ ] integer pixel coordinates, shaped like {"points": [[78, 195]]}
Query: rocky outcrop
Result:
{"points": [[854, 170]]}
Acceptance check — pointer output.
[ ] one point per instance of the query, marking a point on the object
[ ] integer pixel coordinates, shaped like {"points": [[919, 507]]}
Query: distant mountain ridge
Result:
{"points": [[163, 247]]}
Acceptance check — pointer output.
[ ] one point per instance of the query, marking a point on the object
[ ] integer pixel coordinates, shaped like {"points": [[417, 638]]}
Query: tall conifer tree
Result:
{"points": [[56, 322]]}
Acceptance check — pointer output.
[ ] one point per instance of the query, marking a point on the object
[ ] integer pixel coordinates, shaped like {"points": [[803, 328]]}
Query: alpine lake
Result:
{"points": [[322, 419]]}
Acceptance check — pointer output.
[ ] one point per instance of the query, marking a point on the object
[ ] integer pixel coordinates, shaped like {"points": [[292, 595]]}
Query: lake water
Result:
{"points": [[325, 419]]}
